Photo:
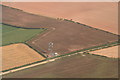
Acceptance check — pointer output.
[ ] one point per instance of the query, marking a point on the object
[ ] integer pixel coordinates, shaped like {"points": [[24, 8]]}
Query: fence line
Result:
{"points": [[58, 57]]}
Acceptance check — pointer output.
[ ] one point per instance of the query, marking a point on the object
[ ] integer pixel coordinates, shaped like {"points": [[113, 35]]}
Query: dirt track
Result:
{"points": [[75, 66], [102, 15], [66, 36]]}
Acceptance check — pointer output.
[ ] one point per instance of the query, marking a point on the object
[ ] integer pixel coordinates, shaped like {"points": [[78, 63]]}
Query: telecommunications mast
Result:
{"points": [[50, 48]]}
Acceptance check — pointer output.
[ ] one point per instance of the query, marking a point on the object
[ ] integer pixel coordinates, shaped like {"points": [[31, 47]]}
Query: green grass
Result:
{"points": [[11, 35]]}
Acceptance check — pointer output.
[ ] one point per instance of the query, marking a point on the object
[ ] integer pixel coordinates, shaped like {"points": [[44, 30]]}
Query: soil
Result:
{"points": [[15, 55], [109, 52], [65, 35], [102, 15], [75, 66]]}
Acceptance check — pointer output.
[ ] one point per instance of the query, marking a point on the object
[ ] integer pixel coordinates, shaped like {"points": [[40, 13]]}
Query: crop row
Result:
{"points": [[83, 50]]}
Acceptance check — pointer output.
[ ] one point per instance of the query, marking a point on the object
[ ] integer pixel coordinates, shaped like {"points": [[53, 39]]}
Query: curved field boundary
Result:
{"points": [[82, 50], [52, 18], [17, 32], [60, 19], [85, 51], [20, 26]]}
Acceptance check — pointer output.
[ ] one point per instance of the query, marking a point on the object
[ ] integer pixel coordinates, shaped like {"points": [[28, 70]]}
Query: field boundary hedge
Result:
{"points": [[83, 50], [86, 50], [35, 50], [25, 11], [10, 7], [20, 26], [58, 19], [90, 26], [91, 49], [44, 29]]}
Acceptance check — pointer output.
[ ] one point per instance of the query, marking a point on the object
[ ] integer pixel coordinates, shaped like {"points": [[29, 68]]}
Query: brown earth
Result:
{"points": [[66, 36], [75, 66], [17, 55], [102, 15], [109, 52]]}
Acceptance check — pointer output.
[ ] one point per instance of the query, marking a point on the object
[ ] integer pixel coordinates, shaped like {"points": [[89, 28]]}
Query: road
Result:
{"points": [[74, 66]]}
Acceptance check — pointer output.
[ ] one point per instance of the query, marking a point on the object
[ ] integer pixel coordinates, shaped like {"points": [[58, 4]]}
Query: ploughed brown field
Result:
{"points": [[102, 15], [75, 66], [16, 55], [65, 35]]}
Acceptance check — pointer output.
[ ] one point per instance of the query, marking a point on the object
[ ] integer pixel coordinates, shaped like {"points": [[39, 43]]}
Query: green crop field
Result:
{"points": [[12, 35]]}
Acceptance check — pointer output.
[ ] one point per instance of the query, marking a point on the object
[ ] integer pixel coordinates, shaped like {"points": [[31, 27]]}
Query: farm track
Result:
{"points": [[78, 66], [81, 52], [67, 36]]}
